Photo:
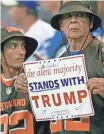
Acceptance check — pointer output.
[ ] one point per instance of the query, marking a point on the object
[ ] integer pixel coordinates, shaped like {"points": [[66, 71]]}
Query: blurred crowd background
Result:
{"points": [[46, 10], [52, 45]]}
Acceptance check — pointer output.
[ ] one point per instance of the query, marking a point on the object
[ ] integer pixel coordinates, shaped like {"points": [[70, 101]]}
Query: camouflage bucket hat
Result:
{"points": [[9, 32], [75, 6]]}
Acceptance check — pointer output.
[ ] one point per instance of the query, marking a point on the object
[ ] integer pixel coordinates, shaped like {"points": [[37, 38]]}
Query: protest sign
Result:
{"points": [[57, 88]]}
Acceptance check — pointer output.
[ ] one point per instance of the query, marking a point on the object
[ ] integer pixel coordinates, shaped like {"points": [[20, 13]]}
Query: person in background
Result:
{"points": [[98, 7], [48, 9], [25, 14], [51, 8], [16, 113]]}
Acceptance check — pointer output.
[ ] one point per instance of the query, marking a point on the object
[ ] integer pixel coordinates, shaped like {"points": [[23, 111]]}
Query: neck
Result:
{"points": [[27, 22], [79, 43], [7, 75]]}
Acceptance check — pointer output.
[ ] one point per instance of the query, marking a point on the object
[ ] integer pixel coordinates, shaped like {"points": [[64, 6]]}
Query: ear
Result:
{"points": [[91, 22], [2, 57], [1, 53]]}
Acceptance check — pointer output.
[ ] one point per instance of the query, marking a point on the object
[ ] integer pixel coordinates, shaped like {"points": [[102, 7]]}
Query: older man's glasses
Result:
{"points": [[76, 14]]}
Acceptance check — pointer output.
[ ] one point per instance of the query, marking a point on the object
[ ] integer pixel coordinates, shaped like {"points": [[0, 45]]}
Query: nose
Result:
{"points": [[21, 50], [73, 19]]}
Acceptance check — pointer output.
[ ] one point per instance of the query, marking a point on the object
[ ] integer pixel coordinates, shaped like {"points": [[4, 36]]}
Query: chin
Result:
{"points": [[74, 34], [73, 37], [18, 66]]}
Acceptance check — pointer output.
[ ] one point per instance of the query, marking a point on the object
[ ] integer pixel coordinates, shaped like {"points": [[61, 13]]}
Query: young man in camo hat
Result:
{"points": [[16, 112], [76, 19]]}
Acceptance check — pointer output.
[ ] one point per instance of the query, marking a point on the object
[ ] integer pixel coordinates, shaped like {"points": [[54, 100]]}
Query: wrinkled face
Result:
{"points": [[14, 52], [75, 25]]}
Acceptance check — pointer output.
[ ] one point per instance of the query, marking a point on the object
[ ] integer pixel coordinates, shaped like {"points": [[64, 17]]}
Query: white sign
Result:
{"points": [[57, 88]]}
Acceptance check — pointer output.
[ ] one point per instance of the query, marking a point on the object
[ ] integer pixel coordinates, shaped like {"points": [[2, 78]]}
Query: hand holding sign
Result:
{"points": [[21, 83], [96, 86]]}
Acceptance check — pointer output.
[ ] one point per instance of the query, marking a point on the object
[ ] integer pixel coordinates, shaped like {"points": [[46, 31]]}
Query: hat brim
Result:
{"points": [[75, 8], [31, 44]]}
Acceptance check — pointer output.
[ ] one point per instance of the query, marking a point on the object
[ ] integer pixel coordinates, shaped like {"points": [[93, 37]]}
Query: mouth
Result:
{"points": [[20, 59], [74, 29]]}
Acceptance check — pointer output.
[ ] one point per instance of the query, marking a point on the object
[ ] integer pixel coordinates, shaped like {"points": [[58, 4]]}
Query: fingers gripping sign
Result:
{"points": [[21, 83], [96, 86]]}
